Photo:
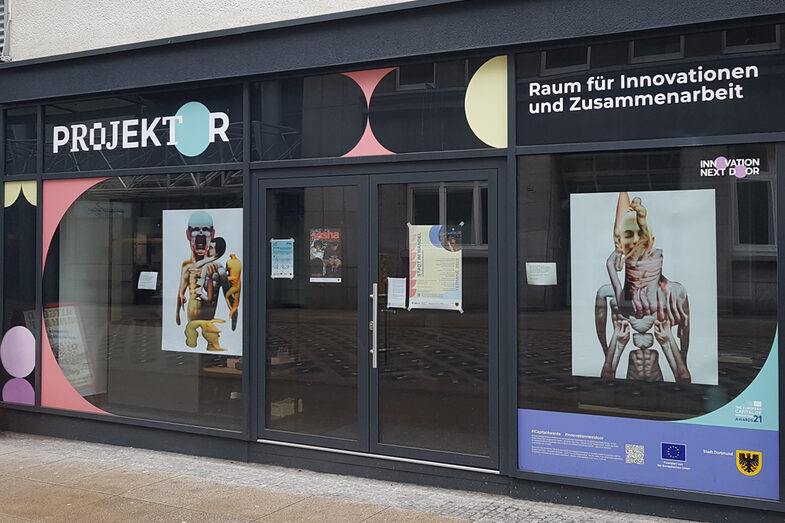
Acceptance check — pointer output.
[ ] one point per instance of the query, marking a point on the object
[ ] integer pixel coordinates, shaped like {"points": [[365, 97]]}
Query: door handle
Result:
{"points": [[372, 326]]}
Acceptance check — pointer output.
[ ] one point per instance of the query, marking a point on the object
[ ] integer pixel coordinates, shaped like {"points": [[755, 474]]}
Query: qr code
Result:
{"points": [[634, 454]]}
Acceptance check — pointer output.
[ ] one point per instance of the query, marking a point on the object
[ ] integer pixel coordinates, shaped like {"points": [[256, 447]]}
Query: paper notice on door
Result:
{"points": [[147, 280], [396, 293], [282, 258], [541, 273]]}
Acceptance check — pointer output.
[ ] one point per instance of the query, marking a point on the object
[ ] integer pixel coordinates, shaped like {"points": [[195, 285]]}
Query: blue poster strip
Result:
{"points": [[722, 460]]}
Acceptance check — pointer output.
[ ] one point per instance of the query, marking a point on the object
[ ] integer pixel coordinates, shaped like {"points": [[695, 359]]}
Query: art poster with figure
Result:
{"points": [[325, 255], [202, 275], [644, 307], [644, 286], [435, 267]]}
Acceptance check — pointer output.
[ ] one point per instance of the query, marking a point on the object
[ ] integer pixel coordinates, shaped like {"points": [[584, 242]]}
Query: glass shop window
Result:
{"points": [[413, 107], [678, 243], [658, 48], [452, 204], [17, 368], [143, 297], [566, 59], [754, 206], [416, 76], [21, 140], [755, 38]]}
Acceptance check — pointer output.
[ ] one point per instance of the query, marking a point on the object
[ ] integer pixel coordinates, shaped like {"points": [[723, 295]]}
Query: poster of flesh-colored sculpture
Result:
{"points": [[644, 285], [201, 281], [435, 267]]}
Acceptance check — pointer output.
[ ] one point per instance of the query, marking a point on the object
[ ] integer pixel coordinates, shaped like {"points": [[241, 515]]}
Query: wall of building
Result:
{"points": [[55, 27]]}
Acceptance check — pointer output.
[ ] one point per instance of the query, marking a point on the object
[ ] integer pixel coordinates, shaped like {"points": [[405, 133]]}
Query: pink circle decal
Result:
{"points": [[17, 352], [739, 171], [18, 390]]}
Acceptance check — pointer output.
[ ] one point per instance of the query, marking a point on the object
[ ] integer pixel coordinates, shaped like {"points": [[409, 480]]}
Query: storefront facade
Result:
{"points": [[538, 260]]}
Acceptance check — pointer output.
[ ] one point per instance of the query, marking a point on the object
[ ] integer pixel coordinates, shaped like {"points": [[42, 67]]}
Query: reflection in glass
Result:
{"points": [[460, 209], [659, 46], [755, 220], [452, 205], [414, 108], [21, 145], [311, 335], [426, 205], [107, 238], [306, 117], [550, 187], [484, 213], [751, 36], [19, 271], [566, 57], [433, 364]]}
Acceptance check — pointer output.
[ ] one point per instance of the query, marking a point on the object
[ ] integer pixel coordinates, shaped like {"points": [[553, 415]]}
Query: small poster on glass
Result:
{"points": [[282, 259], [435, 267], [325, 255]]}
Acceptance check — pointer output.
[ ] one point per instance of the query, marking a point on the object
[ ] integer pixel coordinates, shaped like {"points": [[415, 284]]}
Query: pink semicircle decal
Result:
{"points": [[56, 391], [368, 80], [58, 197], [368, 144]]}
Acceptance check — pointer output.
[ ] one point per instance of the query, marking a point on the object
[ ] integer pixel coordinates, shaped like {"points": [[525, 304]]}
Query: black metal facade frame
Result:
{"points": [[368, 36], [352, 40]]}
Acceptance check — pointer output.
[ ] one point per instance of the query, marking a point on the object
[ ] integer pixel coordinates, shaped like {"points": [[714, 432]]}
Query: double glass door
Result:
{"points": [[377, 304]]}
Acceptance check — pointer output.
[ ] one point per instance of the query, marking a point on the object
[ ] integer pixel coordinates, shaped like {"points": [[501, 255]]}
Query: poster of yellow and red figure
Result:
{"points": [[202, 275]]}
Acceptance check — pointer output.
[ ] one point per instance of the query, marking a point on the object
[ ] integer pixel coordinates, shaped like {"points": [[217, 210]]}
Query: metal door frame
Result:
{"points": [[368, 177], [457, 175], [263, 259]]}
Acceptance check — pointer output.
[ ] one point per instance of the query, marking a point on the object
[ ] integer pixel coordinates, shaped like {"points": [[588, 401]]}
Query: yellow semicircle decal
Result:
{"points": [[11, 190], [486, 102], [30, 190]]}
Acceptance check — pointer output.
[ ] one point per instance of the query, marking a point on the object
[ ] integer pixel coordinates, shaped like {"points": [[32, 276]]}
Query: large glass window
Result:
{"points": [[142, 288], [647, 290], [312, 321], [451, 205], [21, 140], [410, 108], [18, 347]]}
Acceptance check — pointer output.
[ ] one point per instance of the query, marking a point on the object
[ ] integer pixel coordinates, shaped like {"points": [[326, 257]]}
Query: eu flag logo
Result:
{"points": [[674, 451]]}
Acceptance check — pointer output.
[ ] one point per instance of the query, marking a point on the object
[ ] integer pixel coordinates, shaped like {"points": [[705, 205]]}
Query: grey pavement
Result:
{"points": [[50, 479]]}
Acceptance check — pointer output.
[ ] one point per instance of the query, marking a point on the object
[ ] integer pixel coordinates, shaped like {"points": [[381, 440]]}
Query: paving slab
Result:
{"points": [[318, 509], [118, 480], [36, 501], [50, 479], [115, 509]]}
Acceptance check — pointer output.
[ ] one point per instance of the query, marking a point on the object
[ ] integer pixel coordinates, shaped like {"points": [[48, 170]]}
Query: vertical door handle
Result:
{"points": [[373, 325]]}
